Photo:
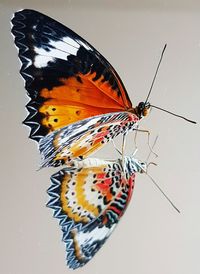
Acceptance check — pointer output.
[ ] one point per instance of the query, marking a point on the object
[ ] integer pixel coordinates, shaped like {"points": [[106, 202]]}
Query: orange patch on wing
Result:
{"points": [[77, 98], [104, 187], [92, 148], [82, 89], [84, 149]]}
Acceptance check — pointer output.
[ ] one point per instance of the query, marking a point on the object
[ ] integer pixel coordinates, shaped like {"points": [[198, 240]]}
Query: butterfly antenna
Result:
{"points": [[115, 147], [174, 114], [159, 188], [154, 78]]}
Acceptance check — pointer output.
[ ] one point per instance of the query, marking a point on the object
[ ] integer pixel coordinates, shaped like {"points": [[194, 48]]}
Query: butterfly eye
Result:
{"points": [[141, 106], [140, 109], [146, 109], [147, 105], [143, 109]]}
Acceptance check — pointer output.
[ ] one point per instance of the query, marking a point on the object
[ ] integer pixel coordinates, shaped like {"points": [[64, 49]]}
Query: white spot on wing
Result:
{"points": [[92, 196], [84, 45], [51, 53], [42, 61], [97, 234], [64, 48], [71, 42], [57, 49]]}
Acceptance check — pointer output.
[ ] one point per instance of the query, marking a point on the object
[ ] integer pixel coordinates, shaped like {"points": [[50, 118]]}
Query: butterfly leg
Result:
{"points": [[154, 143], [150, 147], [160, 189], [150, 163], [123, 149], [116, 147], [135, 142]]}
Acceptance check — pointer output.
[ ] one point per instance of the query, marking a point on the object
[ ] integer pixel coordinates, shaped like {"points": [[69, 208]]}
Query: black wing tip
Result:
{"points": [[20, 16], [37, 131], [18, 31], [22, 12]]}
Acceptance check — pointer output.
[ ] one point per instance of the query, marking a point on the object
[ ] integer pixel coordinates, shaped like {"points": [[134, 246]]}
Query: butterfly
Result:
{"points": [[89, 199], [78, 102]]}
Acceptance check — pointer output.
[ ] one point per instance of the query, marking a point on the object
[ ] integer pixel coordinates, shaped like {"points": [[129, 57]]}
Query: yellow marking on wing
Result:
{"points": [[81, 197], [77, 151], [64, 202], [77, 248], [92, 149]]}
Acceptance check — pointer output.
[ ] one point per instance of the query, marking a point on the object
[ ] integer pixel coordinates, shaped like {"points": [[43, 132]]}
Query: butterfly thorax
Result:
{"points": [[141, 110]]}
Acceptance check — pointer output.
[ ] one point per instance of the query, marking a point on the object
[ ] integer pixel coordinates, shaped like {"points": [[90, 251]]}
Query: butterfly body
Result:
{"points": [[89, 199]]}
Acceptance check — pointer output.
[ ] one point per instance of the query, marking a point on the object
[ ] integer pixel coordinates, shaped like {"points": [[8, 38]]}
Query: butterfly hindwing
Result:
{"points": [[89, 200], [66, 78], [80, 139]]}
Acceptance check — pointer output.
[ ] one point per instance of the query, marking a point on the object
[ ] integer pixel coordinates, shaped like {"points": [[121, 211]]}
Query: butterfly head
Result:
{"points": [[142, 109]]}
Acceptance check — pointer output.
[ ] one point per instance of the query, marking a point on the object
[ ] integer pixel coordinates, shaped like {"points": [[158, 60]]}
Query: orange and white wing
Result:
{"points": [[89, 200], [66, 78], [82, 138]]}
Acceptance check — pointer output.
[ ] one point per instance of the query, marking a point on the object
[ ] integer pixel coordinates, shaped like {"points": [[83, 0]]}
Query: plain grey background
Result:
{"points": [[152, 237]]}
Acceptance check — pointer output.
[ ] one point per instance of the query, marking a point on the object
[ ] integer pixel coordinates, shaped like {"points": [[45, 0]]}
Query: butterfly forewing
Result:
{"points": [[66, 78]]}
